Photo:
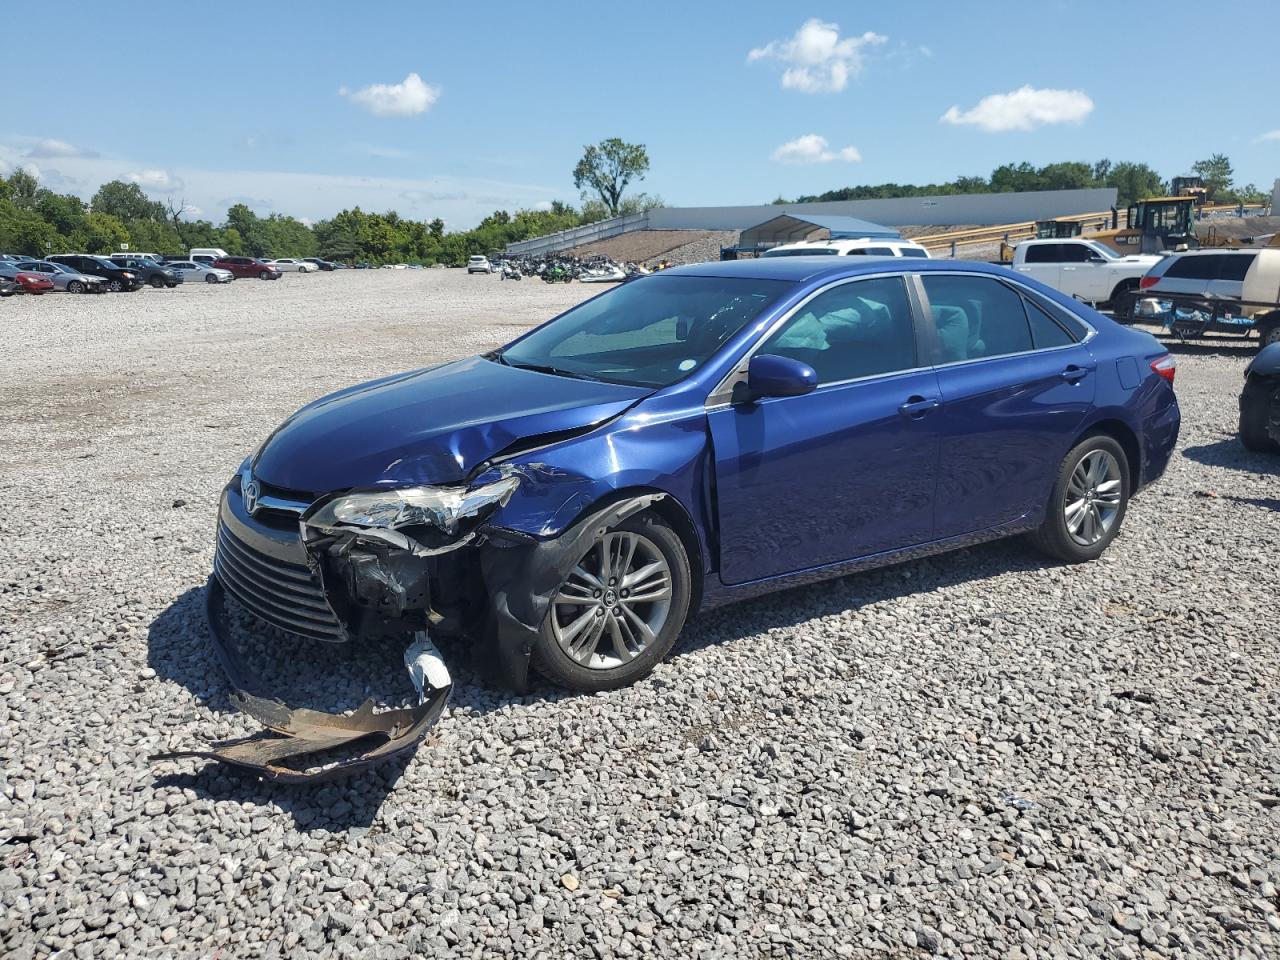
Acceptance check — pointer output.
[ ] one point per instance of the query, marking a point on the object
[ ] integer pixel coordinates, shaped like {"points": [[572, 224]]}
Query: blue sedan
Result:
{"points": [[691, 438]]}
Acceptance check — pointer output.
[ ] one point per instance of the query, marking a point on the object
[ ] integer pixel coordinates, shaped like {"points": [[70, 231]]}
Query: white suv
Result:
{"points": [[479, 264], [846, 248], [1251, 277]]}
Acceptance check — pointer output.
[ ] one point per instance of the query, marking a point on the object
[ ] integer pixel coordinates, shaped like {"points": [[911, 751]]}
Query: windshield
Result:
{"points": [[805, 252], [650, 332], [1103, 251]]}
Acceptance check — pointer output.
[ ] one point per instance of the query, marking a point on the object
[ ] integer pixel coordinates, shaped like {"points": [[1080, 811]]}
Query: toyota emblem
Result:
{"points": [[250, 492]]}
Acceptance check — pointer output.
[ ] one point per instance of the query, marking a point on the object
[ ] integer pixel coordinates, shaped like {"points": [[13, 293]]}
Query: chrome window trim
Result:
{"points": [[722, 394]]}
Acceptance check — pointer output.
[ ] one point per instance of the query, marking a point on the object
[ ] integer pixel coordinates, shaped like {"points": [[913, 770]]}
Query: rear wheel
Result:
{"points": [[1088, 502], [1269, 329], [1255, 414], [620, 609], [75, 286], [1124, 299]]}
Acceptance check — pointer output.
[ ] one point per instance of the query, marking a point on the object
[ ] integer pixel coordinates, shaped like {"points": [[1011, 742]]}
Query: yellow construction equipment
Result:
{"points": [[1154, 225]]}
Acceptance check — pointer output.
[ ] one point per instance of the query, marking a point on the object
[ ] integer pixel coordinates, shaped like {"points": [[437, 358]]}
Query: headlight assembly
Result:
{"points": [[444, 508]]}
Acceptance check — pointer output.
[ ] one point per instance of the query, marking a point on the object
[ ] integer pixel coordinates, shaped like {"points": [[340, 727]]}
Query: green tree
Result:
{"points": [[608, 168], [125, 202], [22, 231], [1217, 173], [62, 211], [1133, 181], [23, 189], [250, 229], [100, 233]]}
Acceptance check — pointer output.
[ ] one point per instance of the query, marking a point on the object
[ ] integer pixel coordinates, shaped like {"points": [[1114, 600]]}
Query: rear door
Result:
{"points": [[1015, 385], [1042, 261], [1079, 276], [847, 470]]}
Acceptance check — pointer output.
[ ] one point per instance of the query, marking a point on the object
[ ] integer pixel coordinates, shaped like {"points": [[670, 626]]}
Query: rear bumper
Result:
{"points": [[1160, 436]]}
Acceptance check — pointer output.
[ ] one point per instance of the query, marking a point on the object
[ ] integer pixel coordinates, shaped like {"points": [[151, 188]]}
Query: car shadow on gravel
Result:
{"points": [[801, 604], [321, 676], [1230, 453]]}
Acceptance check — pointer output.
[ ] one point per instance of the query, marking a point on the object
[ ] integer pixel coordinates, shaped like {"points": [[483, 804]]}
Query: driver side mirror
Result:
{"points": [[1094, 258], [769, 375]]}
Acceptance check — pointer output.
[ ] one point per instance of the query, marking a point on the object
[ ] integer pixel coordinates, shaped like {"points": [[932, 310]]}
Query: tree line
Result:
{"points": [[1133, 181]]}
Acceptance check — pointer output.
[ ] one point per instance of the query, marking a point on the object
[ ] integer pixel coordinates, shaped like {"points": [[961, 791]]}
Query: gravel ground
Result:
{"points": [[977, 755]]}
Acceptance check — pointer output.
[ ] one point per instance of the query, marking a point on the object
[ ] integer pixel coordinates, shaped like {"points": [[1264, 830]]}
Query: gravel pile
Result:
{"points": [[705, 248], [976, 755]]}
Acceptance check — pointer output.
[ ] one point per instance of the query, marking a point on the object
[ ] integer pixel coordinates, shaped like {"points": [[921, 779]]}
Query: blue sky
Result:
{"points": [[457, 109]]}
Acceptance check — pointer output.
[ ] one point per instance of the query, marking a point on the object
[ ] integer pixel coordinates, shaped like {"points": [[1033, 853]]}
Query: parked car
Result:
{"points": [[319, 264], [8, 287], [116, 277], [153, 272], [1260, 402], [248, 267], [190, 270], [1083, 268], [846, 412], [64, 278], [35, 283], [290, 265], [1246, 280], [207, 254], [479, 264], [848, 248]]}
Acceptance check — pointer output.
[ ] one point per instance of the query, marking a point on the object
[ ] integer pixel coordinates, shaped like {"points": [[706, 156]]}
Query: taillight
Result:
{"points": [[1147, 282], [1166, 366]]}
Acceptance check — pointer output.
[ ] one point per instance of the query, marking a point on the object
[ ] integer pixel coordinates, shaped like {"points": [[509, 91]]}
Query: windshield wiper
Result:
{"points": [[557, 371]]}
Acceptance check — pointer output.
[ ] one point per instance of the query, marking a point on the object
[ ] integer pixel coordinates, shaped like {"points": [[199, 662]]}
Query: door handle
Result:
{"points": [[917, 406], [1074, 374]]}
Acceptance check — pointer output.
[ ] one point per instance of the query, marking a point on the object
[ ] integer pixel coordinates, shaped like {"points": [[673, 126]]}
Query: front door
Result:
{"points": [[845, 471], [1015, 388]]}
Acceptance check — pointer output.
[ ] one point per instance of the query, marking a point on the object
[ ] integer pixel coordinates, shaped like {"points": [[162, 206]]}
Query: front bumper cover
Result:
{"points": [[295, 734]]}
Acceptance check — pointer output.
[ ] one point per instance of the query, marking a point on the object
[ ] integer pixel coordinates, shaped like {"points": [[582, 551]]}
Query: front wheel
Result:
{"points": [[210, 278], [620, 609], [115, 286], [75, 286], [157, 282], [1088, 502], [264, 275]]}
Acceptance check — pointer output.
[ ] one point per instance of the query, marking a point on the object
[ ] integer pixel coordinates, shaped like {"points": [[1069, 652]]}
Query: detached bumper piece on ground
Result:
{"points": [[294, 735]]}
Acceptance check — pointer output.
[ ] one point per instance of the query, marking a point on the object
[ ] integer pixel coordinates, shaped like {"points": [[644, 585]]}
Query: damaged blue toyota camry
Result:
{"points": [[684, 440]]}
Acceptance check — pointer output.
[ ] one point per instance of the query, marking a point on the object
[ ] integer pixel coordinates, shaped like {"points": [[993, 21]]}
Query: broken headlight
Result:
{"points": [[443, 508]]}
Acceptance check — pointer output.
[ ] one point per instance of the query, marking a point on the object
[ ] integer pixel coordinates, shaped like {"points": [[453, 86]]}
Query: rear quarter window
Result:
{"points": [[1235, 265], [1193, 268]]}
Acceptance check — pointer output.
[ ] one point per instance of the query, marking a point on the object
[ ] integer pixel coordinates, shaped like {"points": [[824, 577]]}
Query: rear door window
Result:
{"points": [[1074, 252], [1043, 253], [1201, 267], [976, 317]]}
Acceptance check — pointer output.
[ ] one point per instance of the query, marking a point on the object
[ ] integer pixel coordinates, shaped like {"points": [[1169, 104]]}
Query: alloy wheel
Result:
{"points": [[1093, 497], [614, 603]]}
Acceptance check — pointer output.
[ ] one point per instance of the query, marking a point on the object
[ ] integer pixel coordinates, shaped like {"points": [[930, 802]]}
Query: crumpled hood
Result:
{"points": [[429, 426]]}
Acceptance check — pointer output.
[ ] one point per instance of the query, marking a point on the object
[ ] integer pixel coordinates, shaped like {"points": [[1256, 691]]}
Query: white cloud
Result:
{"points": [[542, 205], [812, 148], [51, 149], [817, 59], [1269, 135], [1023, 109], [382, 153], [410, 96], [155, 180]]}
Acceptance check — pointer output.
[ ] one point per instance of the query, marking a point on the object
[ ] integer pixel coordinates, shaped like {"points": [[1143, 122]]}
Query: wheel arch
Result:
{"points": [[1123, 434]]}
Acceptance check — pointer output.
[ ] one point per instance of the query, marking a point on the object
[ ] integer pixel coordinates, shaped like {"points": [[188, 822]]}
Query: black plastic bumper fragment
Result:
{"points": [[295, 734]]}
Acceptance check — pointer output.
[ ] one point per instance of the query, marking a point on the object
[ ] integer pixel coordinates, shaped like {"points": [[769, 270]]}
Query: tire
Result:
{"points": [[75, 286], [601, 666], [1088, 534], [115, 286], [1123, 299], [210, 278], [264, 275], [1255, 414], [156, 282], [1270, 333]]}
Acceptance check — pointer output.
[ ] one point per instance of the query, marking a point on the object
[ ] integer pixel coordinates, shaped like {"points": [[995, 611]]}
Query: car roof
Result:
{"points": [[803, 269]]}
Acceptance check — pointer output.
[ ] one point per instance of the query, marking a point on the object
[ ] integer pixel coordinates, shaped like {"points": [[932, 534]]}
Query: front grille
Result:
{"points": [[285, 595]]}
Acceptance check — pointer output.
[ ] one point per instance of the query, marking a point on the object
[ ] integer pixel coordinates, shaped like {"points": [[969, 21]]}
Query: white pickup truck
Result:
{"points": [[1081, 268]]}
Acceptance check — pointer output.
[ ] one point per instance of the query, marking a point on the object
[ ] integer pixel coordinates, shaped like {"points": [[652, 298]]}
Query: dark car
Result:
{"points": [[689, 439], [1260, 402], [153, 272], [117, 278], [248, 267], [9, 287], [324, 265]]}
